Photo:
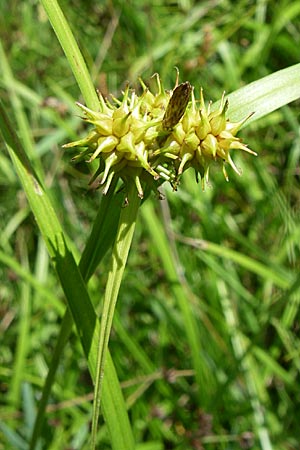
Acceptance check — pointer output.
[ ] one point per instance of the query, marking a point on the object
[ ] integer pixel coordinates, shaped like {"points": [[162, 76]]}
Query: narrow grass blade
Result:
{"points": [[280, 279], [72, 52], [265, 95], [23, 334]]}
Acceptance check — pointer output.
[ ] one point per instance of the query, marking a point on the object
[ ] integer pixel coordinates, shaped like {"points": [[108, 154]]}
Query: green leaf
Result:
{"points": [[265, 95], [83, 313], [72, 52]]}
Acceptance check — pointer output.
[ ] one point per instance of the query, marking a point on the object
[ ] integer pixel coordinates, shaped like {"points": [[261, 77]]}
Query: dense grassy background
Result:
{"points": [[235, 246]]}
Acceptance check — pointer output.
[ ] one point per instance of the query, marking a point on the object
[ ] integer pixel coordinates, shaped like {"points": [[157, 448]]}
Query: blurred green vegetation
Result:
{"points": [[245, 301]]}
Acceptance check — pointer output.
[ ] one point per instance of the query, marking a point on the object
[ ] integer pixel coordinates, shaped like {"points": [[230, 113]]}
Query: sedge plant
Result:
{"points": [[144, 141], [137, 142]]}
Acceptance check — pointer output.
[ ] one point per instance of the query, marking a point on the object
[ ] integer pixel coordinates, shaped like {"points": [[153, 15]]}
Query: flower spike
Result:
{"points": [[157, 136]]}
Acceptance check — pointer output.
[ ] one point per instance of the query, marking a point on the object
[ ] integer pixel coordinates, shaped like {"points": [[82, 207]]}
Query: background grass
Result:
{"points": [[241, 389]]}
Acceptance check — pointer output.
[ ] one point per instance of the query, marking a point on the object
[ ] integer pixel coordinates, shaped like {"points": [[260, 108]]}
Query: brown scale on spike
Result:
{"points": [[177, 105]]}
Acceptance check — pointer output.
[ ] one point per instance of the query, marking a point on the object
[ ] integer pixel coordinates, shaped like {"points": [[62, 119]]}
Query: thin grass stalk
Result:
{"points": [[118, 262], [24, 332]]}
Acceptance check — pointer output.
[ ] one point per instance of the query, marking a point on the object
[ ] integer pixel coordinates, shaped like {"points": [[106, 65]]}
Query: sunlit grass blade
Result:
{"points": [[72, 52], [265, 95], [280, 279]]}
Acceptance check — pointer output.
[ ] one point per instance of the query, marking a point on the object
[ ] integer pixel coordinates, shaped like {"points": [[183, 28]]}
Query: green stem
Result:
{"points": [[118, 262], [87, 323]]}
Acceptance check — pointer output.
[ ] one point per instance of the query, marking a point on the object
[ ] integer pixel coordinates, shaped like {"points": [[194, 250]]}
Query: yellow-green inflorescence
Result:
{"points": [[152, 138]]}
